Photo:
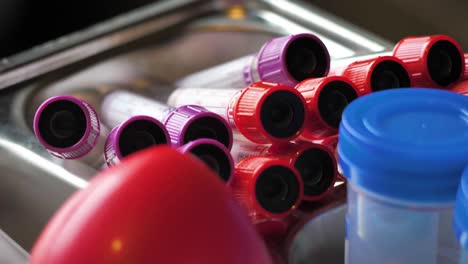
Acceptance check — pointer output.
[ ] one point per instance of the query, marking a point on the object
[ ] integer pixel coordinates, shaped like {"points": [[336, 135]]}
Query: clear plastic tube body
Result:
{"points": [[231, 74], [213, 99], [120, 105]]}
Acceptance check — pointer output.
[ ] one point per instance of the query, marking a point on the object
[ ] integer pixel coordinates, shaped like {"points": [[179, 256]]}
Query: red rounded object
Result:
{"points": [[423, 57], [325, 98], [361, 73], [267, 187], [157, 206], [460, 87], [302, 155], [246, 112]]}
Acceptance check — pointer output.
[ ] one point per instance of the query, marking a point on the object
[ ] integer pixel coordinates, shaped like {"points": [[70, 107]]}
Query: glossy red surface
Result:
{"points": [[157, 206]]}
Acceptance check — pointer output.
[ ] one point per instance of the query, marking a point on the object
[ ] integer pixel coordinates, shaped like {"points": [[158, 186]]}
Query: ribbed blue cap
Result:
{"points": [[460, 218], [406, 144]]}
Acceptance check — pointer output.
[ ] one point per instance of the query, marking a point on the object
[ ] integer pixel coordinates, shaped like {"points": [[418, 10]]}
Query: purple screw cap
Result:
{"points": [[190, 122], [134, 134], [66, 126], [214, 154], [291, 59]]}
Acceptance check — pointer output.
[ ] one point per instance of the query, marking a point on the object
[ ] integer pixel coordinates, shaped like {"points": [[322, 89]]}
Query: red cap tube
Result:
{"points": [[267, 187], [381, 73], [268, 112], [326, 98], [315, 163], [432, 61]]}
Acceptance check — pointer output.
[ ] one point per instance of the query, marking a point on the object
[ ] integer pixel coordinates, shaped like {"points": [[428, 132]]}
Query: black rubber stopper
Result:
{"points": [[215, 158], [208, 127], [444, 63], [140, 134], [306, 58], [282, 114], [317, 170], [389, 75], [277, 189], [332, 101], [62, 124]]}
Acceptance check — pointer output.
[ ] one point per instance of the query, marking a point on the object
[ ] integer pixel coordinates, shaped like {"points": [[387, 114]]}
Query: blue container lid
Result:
{"points": [[460, 222], [407, 144]]}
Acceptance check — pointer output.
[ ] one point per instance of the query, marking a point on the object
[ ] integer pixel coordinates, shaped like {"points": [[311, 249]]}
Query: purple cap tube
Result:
{"points": [[184, 124], [134, 134], [287, 60], [214, 154], [67, 127]]}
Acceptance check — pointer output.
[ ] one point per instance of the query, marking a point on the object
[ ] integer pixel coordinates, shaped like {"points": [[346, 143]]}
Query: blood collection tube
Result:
{"points": [[375, 74], [132, 135], [214, 154], [432, 61], [460, 87], [287, 60], [263, 112], [315, 163], [67, 127], [326, 98], [267, 187], [184, 123]]}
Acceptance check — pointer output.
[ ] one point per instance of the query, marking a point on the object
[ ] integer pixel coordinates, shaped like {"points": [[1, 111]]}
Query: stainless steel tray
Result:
{"points": [[147, 50]]}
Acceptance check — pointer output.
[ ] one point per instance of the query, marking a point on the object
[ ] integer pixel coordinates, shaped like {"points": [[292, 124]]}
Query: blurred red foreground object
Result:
{"points": [[158, 206]]}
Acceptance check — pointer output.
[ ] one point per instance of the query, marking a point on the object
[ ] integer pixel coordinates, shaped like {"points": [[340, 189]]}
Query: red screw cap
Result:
{"points": [[157, 206], [326, 98], [268, 112], [432, 61], [381, 73], [315, 163], [267, 187]]}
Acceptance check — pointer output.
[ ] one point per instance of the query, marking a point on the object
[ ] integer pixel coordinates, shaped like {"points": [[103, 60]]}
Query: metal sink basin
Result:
{"points": [[145, 50]]}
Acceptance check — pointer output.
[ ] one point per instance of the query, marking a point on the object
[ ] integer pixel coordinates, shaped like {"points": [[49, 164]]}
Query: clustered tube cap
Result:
{"points": [[67, 127], [326, 98], [134, 134], [190, 122], [268, 112], [315, 163], [293, 58], [381, 73], [267, 187], [433, 61]]}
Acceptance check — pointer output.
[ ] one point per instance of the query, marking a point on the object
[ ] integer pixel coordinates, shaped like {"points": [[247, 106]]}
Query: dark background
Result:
{"points": [[25, 23]]}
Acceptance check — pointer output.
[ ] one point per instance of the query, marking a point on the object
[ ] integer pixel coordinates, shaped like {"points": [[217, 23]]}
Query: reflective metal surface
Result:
{"points": [[10, 252], [145, 51], [320, 240]]}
